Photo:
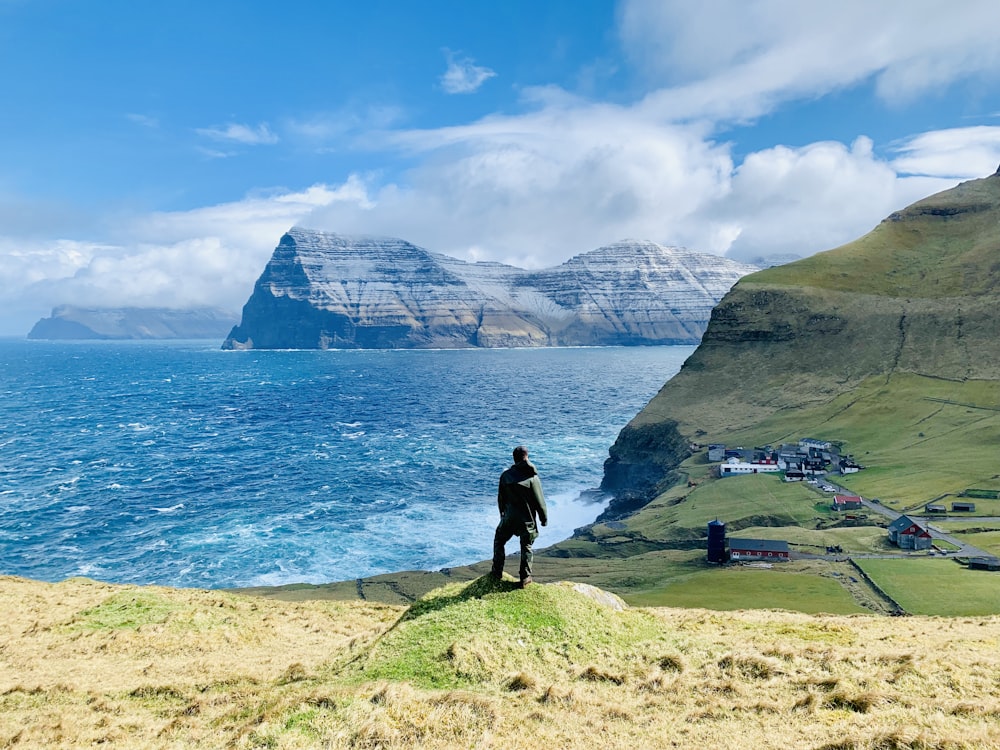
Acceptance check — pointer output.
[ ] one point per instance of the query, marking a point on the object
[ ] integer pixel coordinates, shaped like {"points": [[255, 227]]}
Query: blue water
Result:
{"points": [[176, 463]]}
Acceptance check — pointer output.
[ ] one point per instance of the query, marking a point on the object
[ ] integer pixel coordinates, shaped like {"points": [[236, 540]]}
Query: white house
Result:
{"points": [[735, 466]]}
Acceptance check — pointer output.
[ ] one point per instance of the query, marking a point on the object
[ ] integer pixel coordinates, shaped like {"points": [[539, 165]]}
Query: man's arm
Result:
{"points": [[539, 500]]}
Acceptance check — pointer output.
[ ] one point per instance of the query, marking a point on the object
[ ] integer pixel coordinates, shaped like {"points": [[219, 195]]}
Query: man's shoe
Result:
{"points": [[526, 581]]}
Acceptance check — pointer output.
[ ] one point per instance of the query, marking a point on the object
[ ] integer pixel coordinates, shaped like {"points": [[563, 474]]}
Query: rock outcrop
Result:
{"points": [[322, 290], [69, 322], [919, 295]]}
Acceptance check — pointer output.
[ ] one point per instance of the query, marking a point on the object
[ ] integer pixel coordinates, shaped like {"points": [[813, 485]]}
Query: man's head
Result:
{"points": [[520, 454]]}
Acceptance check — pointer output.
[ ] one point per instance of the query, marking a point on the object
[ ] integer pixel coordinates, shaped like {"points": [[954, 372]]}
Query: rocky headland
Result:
{"points": [[69, 322], [322, 290]]}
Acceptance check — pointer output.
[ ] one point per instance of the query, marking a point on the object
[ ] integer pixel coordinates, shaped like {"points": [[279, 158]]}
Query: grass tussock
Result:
{"points": [[479, 665]]}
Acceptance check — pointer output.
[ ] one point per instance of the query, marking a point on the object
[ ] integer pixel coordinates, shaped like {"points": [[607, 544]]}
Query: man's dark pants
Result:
{"points": [[526, 533]]}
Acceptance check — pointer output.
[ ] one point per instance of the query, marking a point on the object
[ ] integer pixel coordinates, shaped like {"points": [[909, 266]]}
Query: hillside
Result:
{"points": [[479, 665], [68, 322], [904, 319]]}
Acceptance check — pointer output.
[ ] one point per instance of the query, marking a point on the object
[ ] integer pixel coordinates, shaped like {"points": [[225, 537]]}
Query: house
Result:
{"points": [[963, 507], [735, 466], [907, 533], [758, 549], [849, 466], [716, 452], [794, 475], [812, 443], [846, 502]]}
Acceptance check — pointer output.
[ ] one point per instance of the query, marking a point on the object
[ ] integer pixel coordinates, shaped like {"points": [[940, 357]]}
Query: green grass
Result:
{"points": [[125, 611], [927, 586], [466, 634], [863, 539], [738, 501], [733, 588]]}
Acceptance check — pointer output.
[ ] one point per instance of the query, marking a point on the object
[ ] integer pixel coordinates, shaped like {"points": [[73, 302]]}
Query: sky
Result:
{"points": [[153, 153]]}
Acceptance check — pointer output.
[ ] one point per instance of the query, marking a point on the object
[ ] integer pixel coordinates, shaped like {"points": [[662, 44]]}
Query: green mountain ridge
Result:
{"points": [[916, 296]]}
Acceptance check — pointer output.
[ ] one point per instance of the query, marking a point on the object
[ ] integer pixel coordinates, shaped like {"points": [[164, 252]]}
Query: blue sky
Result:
{"points": [[152, 153]]}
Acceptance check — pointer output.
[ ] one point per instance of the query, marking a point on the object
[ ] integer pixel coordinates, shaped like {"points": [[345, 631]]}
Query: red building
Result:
{"points": [[758, 549], [847, 502]]}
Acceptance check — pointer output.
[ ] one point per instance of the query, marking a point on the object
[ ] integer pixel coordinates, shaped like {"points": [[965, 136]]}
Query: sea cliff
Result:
{"points": [[322, 290]]}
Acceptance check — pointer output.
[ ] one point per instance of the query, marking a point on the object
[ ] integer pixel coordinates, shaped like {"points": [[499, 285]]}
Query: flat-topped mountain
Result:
{"points": [[322, 290], [905, 320], [70, 322]]}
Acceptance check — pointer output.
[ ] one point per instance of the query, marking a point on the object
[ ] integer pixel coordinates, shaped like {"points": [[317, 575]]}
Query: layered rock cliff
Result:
{"points": [[919, 295], [69, 322], [322, 290]]}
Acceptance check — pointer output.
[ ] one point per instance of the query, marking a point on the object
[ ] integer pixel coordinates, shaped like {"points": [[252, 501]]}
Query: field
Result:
{"points": [[479, 665], [745, 587], [927, 586], [857, 539], [984, 536], [738, 501]]}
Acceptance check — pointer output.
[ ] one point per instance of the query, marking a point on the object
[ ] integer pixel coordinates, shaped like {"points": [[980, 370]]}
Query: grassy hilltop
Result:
{"points": [[479, 664]]}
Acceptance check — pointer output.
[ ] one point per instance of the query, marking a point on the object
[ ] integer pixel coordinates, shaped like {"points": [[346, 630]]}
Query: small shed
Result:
{"points": [[758, 549], [984, 563], [963, 506], [935, 508], [847, 502]]}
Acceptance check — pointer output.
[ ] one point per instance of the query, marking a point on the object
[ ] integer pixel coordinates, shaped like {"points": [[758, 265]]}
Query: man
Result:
{"points": [[521, 504]]}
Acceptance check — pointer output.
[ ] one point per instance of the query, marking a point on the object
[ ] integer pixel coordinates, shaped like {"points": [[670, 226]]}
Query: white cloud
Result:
{"points": [[797, 201], [535, 189], [732, 60], [962, 152], [208, 256], [463, 76], [239, 133]]}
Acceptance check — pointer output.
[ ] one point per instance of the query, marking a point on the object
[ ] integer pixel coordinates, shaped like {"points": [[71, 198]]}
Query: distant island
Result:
{"points": [[81, 323], [322, 290]]}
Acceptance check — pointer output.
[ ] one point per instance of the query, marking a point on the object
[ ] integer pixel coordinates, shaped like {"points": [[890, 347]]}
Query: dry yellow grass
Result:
{"points": [[85, 664]]}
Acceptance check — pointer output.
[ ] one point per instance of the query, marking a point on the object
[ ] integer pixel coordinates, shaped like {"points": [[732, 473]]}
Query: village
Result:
{"points": [[815, 462]]}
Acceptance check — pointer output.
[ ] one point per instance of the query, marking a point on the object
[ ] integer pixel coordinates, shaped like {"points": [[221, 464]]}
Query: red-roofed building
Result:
{"points": [[846, 502], [909, 534]]}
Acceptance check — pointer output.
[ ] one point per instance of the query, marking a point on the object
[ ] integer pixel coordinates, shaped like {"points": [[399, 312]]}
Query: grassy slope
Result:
{"points": [[478, 665]]}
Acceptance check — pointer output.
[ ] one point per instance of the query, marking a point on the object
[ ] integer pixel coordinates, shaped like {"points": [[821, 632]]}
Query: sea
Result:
{"points": [[177, 463]]}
